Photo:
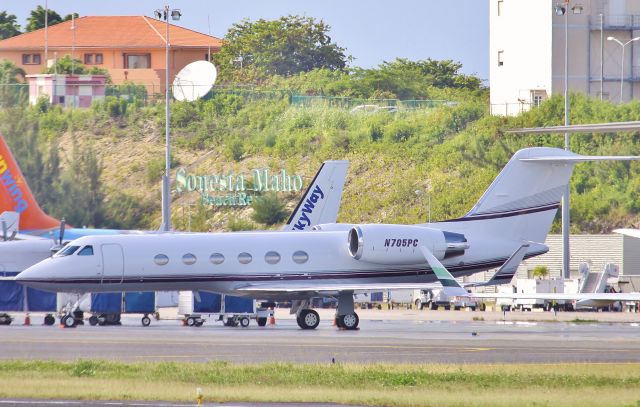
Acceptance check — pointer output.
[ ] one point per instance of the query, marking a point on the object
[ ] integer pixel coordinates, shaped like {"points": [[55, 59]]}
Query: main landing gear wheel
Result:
{"points": [[68, 321], [308, 319], [349, 321]]}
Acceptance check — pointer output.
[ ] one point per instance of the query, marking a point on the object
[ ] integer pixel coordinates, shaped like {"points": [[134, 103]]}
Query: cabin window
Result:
{"points": [[161, 259], [244, 258], [300, 257], [189, 259], [216, 258], [272, 257], [86, 251], [68, 251]]}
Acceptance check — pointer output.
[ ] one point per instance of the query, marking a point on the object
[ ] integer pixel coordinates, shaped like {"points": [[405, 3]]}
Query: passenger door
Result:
{"points": [[112, 264]]}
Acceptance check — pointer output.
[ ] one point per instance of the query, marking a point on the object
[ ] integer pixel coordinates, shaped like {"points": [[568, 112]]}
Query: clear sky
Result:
{"points": [[372, 31]]}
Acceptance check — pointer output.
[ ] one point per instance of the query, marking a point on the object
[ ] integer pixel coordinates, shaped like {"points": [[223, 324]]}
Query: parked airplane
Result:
{"points": [[319, 204], [517, 210]]}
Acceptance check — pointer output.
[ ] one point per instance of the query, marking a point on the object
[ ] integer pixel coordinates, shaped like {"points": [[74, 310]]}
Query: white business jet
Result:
{"points": [[515, 212]]}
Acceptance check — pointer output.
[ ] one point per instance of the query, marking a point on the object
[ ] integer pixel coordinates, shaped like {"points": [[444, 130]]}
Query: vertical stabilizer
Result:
{"points": [[321, 201], [16, 196]]}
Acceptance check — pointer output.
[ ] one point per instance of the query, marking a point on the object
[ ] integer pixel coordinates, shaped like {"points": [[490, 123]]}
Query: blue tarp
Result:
{"points": [[11, 296], [238, 304], [140, 302], [377, 296], [110, 303], [41, 301], [209, 303]]}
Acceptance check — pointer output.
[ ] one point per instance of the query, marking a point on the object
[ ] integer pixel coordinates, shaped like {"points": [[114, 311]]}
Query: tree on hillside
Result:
{"points": [[36, 18], [286, 46], [439, 74], [11, 90], [8, 25]]}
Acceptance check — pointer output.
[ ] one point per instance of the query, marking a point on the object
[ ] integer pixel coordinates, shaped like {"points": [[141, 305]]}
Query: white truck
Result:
{"points": [[435, 297]]}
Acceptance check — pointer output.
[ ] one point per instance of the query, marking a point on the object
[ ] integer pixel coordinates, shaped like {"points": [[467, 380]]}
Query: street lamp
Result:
{"points": [[623, 45], [163, 14]]}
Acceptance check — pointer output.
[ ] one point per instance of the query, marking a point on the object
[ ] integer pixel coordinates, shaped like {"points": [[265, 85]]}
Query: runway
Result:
{"points": [[378, 340]]}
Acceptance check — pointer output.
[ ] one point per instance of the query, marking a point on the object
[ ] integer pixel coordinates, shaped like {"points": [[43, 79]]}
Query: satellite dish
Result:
{"points": [[194, 81]]}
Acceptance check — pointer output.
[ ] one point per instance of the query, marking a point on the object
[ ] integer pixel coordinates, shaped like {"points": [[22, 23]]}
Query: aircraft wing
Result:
{"points": [[332, 288], [560, 296]]}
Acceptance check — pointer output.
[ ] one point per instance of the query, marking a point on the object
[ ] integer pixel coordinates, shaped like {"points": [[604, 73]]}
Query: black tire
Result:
{"points": [[146, 321], [456, 308], [5, 319], [68, 321], [473, 308], [349, 321], [199, 323], [308, 319], [262, 321], [483, 307], [93, 320], [191, 321], [49, 320], [102, 320], [244, 322], [231, 322], [433, 307], [447, 307]]}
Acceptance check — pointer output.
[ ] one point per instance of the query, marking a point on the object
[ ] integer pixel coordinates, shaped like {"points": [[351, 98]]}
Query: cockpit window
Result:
{"points": [[86, 251], [68, 251]]}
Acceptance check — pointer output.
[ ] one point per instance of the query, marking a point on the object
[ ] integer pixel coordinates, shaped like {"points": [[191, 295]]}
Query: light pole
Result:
{"points": [[623, 45], [166, 183], [562, 10]]}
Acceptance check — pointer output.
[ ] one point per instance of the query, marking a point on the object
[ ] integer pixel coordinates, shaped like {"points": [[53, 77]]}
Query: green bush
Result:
{"points": [[268, 210]]}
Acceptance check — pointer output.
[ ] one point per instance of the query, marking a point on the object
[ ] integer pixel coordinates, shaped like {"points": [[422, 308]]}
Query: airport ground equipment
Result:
{"points": [[15, 297], [230, 310], [105, 308]]}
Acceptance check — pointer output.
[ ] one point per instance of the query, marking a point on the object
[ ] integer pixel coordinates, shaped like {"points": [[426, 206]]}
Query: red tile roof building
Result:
{"points": [[129, 47]]}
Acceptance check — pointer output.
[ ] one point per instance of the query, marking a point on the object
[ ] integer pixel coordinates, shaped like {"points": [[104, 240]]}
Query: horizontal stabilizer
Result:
{"points": [[506, 272], [581, 128], [580, 158]]}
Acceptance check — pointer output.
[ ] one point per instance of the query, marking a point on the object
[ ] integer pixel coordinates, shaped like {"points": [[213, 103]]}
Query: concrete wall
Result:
{"points": [[522, 32]]}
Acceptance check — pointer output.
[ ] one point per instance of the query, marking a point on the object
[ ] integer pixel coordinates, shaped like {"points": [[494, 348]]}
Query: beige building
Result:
{"points": [[527, 46]]}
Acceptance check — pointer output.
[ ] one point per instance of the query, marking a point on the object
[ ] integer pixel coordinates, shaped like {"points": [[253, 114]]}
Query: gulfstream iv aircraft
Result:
{"points": [[511, 220]]}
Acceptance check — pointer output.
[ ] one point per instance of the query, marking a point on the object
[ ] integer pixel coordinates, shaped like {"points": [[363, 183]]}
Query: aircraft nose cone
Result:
{"points": [[30, 275]]}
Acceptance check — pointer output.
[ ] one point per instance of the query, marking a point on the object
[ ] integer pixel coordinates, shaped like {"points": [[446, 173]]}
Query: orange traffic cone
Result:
{"points": [[27, 320], [272, 317]]}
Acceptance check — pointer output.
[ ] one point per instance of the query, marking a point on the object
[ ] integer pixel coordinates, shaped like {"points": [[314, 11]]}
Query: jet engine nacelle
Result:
{"points": [[397, 244]]}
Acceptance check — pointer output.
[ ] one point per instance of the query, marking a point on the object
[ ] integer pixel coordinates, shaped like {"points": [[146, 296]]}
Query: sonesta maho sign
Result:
{"points": [[236, 189]]}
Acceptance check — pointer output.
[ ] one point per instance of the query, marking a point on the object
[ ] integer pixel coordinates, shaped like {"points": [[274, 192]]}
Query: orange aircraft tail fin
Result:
{"points": [[15, 194]]}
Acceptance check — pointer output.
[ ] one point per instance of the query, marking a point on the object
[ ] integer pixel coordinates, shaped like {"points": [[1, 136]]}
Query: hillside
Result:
{"points": [[454, 151]]}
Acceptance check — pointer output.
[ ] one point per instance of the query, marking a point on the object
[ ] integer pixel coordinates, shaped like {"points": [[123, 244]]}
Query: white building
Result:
{"points": [[527, 46]]}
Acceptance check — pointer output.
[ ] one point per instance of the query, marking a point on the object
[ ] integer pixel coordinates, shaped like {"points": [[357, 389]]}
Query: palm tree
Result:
{"points": [[12, 91]]}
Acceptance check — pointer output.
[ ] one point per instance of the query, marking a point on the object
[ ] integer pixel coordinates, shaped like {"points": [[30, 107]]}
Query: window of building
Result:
{"points": [[216, 258], [244, 258], [500, 7], [537, 97], [500, 58], [30, 59], [300, 257], [93, 59], [272, 257], [137, 61], [161, 259], [189, 259], [86, 251]]}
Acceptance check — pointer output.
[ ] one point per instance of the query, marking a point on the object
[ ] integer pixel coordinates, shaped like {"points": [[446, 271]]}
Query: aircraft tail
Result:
{"points": [[321, 201], [15, 194], [522, 201]]}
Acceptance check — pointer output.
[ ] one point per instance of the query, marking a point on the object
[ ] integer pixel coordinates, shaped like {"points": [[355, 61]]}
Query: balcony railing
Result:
{"points": [[616, 22]]}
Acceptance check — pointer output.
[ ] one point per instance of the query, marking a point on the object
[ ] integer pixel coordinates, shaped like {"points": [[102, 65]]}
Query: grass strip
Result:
{"points": [[373, 384]]}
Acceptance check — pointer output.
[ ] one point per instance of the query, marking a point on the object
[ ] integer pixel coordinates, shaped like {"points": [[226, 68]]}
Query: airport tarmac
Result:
{"points": [[383, 339]]}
